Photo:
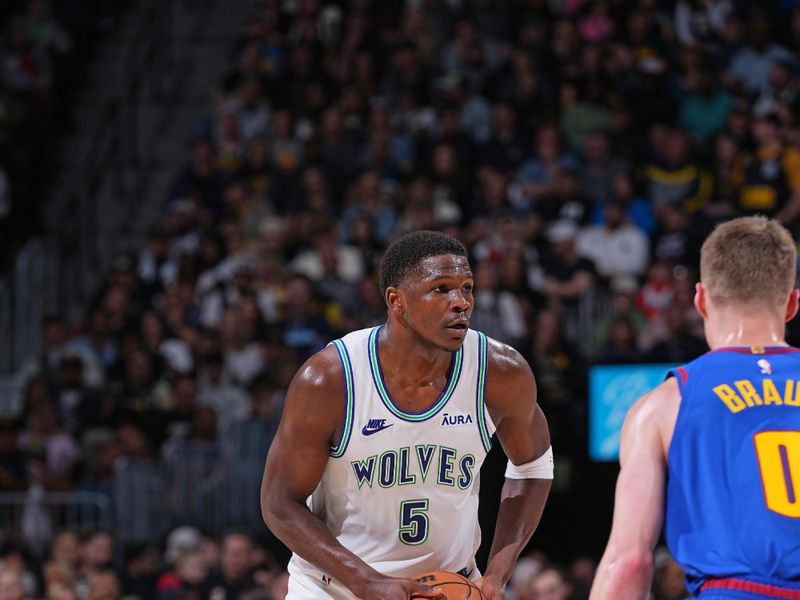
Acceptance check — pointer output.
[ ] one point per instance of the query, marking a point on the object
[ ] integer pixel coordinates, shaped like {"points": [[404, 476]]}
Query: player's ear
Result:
{"points": [[700, 299], [395, 300], [792, 304]]}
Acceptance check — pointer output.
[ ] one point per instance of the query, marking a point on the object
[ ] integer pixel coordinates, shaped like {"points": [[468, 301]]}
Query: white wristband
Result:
{"points": [[541, 468]]}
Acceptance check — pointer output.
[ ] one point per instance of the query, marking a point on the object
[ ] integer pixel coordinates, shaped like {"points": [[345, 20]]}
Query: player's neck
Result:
{"points": [[744, 328], [405, 356]]}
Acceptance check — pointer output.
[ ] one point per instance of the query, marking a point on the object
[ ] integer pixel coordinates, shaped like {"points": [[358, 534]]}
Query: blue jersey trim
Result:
{"points": [[480, 396], [349, 411], [453, 376]]}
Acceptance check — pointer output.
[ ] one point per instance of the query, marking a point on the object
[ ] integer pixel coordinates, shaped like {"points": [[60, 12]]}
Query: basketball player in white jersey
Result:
{"points": [[373, 474]]}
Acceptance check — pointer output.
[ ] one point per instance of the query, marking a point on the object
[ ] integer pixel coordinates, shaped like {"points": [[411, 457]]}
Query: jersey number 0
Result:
{"points": [[778, 454]]}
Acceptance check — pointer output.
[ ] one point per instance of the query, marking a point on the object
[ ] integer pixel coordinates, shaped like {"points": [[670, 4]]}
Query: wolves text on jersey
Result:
{"points": [[408, 466]]}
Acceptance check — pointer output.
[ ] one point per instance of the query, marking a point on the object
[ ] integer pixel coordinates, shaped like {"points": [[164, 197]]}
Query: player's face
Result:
{"points": [[439, 301]]}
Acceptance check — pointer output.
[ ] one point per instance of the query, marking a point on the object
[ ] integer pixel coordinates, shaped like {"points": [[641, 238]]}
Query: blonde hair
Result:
{"points": [[749, 261]]}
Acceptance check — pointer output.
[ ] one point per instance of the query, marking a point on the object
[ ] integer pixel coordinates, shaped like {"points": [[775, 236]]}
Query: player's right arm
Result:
{"points": [[626, 569], [311, 424]]}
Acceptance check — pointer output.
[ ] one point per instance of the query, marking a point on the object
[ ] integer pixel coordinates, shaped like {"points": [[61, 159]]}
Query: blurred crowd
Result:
{"points": [[192, 566], [581, 149], [536, 577], [33, 48], [43, 47]]}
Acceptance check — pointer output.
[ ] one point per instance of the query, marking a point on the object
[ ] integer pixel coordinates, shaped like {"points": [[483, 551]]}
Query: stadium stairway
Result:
{"points": [[148, 89], [151, 83]]}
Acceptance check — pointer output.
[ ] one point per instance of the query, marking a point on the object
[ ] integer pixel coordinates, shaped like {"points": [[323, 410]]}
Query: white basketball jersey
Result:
{"points": [[401, 489]]}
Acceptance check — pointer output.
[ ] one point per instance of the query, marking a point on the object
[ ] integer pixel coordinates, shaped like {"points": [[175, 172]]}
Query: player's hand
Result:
{"points": [[491, 587], [394, 588]]}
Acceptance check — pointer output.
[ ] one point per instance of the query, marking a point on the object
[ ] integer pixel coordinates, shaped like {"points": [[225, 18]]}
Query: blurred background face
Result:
{"points": [[185, 397], [677, 147], [66, 548], [444, 161], [192, 568], [566, 184], [725, 148], [596, 148], [11, 585], [547, 144], [298, 292], [622, 334], [204, 425], [235, 558], [98, 551], [764, 131], [614, 215], [54, 335], [485, 278], [103, 586], [622, 187], [550, 585], [61, 591]]}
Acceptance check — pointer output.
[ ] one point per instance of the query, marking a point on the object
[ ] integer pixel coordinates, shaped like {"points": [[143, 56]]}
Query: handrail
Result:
{"points": [[146, 499], [56, 498], [35, 516]]}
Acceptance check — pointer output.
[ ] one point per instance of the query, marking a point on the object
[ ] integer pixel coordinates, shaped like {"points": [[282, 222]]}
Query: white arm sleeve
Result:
{"points": [[541, 468]]}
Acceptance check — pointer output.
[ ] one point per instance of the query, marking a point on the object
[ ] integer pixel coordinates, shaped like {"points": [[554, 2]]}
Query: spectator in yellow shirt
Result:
{"points": [[769, 178]]}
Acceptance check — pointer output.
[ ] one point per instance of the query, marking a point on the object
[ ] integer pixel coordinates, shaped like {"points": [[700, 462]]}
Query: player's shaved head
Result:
{"points": [[749, 261], [404, 256]]}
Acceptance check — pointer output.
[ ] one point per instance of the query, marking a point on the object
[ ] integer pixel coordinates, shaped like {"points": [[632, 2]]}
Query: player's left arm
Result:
{"points": [[523, 433], [626, 569]]}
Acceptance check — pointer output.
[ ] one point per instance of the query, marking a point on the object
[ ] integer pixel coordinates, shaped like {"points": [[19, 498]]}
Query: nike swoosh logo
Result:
{"points": [[465, 573], [370, 430]]}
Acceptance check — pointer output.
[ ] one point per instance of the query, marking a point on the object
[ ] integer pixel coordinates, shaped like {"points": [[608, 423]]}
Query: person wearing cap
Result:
{"points": [[180, 541], [769, 178]]}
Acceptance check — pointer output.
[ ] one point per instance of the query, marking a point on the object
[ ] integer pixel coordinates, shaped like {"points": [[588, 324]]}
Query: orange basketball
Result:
{"points": [[451, 585]]}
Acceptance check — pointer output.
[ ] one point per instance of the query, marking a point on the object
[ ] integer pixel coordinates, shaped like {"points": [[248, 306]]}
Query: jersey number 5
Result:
{"points": [[778, 454], [413, 522]]}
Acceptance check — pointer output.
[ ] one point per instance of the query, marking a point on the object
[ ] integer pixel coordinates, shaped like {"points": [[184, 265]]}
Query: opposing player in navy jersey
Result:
{"points": [[373, 474], [714, 451]]}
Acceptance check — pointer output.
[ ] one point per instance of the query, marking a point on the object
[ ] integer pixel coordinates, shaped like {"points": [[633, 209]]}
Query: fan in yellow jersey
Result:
{"points": [[769, 178]]}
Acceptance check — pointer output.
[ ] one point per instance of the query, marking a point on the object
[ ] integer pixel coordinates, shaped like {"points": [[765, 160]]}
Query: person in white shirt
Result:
{"points": [[618, 247]]}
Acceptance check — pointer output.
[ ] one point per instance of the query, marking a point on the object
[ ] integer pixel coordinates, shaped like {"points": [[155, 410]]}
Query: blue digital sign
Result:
{"points": [[612, 391]]}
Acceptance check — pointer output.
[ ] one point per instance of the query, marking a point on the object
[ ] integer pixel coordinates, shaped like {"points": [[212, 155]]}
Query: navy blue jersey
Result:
{"points": [[733, 489]]}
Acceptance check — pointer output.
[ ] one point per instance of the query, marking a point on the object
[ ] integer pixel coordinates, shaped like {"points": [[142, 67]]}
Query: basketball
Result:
{"points": [[452, 585]]}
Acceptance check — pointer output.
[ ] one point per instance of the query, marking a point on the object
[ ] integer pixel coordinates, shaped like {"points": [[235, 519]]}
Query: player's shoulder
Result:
{"points": [[658, 400], [509, 380], [656, 411], [327, 367], [504, 361], [322, 372], [510, 388]]}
